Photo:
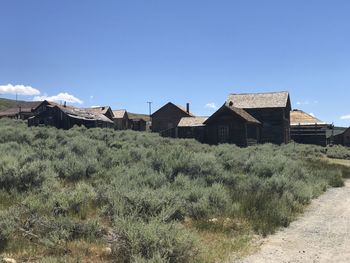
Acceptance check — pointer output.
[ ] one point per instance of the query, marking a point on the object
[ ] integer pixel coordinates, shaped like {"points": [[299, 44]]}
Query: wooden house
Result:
{"points": [[272, 110], [22, 111], [343, 138], [168, 117], [104, 110], [307, 129], [121, 119], [232, 125], [65, 117], [192, 127]]}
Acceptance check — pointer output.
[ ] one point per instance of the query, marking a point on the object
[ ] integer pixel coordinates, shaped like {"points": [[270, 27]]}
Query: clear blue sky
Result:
{"points": [[124, 53]]}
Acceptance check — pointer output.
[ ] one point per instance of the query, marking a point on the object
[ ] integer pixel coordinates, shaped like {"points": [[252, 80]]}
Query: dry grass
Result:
{"points": [[222, 239], [77, 251]]}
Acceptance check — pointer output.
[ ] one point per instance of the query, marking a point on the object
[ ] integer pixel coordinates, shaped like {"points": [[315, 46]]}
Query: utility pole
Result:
{"points": [[150, 112], [149, 107]]}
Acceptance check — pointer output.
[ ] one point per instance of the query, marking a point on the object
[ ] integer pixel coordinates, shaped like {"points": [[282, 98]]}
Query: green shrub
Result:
{"points": [[141, 189]]}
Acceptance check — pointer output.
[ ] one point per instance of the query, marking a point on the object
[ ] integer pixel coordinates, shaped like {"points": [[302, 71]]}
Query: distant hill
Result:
{"points": [[10, 104], [139, 116]]}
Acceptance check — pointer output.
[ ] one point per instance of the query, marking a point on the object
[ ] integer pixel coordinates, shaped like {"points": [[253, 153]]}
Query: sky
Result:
{"points": [[125, 53]]}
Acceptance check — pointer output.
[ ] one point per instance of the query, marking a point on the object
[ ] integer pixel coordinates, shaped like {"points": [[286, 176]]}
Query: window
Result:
{"points": [[223, 133]]}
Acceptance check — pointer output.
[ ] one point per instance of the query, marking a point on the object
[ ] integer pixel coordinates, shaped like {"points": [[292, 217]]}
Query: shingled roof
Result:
{"points": [[299, 117], [259, 100], [119, 114], [240, 112], [192, 121], [98, 110]]}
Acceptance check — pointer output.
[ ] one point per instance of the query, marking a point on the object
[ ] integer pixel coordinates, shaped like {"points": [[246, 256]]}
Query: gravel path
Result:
{"points": [[321, 234]]}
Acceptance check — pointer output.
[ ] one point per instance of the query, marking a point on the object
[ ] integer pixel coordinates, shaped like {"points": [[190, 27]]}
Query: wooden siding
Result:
{"points": [[167, 117], [309, 134], [343, 138], [197, 133], [275, 124]]}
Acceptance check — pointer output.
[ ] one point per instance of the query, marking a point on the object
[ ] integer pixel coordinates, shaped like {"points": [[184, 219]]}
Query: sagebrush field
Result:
{"points": [[102, 195]]}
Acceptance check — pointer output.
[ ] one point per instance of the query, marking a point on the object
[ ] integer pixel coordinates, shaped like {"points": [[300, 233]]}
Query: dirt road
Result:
{"points": [[321, 234]]}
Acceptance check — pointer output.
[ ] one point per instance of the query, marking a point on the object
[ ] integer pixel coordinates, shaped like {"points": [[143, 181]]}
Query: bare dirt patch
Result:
{"points": [[321, 234]]}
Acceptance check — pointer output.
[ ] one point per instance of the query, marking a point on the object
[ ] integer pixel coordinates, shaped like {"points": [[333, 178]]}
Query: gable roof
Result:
{"points": [[240, 112], [192, 121], [259, 100], [174, 105], [299, 117], [119, 114]]}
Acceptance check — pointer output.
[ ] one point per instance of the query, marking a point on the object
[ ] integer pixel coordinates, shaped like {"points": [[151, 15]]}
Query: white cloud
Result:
{"points": [[95, 106], [303, 102], [91, 97], [211, 105], [18, 89], [63, 96], [345, 117]]}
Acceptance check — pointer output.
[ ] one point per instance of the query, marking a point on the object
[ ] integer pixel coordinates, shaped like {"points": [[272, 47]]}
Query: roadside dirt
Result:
{"points": [[321, 234]]}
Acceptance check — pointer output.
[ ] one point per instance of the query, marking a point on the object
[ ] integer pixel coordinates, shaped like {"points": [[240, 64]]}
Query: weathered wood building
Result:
{"points": [[192, 127], [307, 129], [232, 125], [65, 117], [121, 119], [271, 109], [343, 138], [168, 117]]}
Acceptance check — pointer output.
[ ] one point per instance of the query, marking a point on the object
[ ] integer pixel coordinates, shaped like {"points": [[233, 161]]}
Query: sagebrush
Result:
{"points": [[133, 191]]}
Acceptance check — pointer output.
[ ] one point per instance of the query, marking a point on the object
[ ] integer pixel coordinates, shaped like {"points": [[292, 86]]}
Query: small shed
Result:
{"points": [[168, 117], [121, 119], [192, 127], [343, 138], [137, 124], [271, 109], [307, 129], [232, 125]]}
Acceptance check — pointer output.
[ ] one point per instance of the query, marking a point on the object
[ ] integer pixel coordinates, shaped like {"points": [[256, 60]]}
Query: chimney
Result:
{"points": [[188, 107]]}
